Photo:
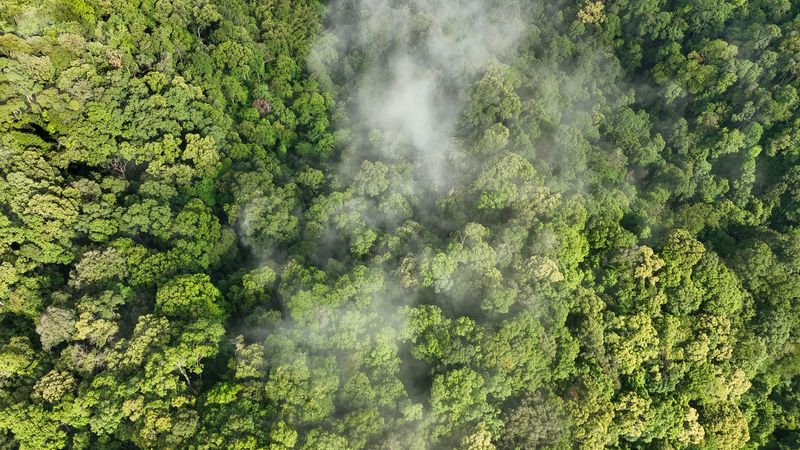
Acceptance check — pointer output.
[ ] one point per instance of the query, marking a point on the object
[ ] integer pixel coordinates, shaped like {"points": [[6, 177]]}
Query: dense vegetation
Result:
{"points": [[473, 224]]}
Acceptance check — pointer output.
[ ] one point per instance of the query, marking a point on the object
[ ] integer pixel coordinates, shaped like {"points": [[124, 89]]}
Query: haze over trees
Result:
{"points": [[399, 224]]}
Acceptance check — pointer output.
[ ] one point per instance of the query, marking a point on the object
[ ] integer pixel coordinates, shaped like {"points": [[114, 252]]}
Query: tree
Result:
{"points": [[725, 425], [189, 297], [538, 420], [458, 396], [55, 326]]}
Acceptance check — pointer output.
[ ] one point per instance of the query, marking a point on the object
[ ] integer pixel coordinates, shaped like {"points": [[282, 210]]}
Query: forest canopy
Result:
{"points": [[399, 224]]}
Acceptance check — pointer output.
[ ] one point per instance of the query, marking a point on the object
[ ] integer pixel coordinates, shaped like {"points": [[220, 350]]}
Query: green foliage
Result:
{"points": [[207, 240], [189, 297]]}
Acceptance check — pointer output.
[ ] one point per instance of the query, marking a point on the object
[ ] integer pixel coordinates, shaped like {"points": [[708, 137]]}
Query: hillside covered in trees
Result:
{"points": [[399, 224]]}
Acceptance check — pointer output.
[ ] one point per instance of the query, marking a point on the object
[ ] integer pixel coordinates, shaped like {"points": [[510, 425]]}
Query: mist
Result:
{"points": [[399, 224], [416, 62], [411, 150]]}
